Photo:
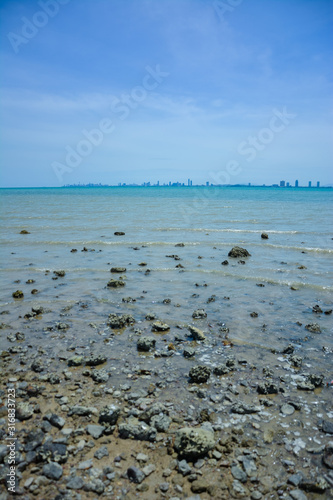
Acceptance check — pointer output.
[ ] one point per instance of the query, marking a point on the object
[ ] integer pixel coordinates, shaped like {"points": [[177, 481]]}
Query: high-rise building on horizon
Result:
{"points": [[309, 184], [282, 183], [318, 184], [296, 184]]}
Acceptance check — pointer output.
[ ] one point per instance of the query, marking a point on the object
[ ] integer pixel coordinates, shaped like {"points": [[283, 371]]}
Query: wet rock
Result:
{"points": [[117, 321], [109, 414], [244, 409], [314, 486], [159, 326], [62, 326], [287, 409], [119, 233], [118, 270], [296, 360], [329, 311], [115, 284], [237, 252], [95, 360], [254, 314], [150, 316], [135, 475], [225, 263], [264, 236], [199, 313], [317, 309], [100, 376], [24, 231], [221, 369], [60, 274], [328, 455], [18, 294], [140, 432], [199, 374], [52, 470], [75, 361], [196, 333], [34, 291], [74, 250], [267, 387], [316, 379], [193, 443], [313, 328], [188, 352], [145, 344]]}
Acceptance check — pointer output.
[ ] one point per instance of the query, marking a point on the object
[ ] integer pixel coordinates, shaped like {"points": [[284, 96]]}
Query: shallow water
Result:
{"points": [[209, 221]]}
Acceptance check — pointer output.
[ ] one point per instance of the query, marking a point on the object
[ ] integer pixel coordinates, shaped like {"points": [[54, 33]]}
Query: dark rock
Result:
{"points": [[150, 316], [118, 270], [115, 284], [159, 326], [52, 470], [135, 475], [327, 426], [313, 328], [316, 379], [60, 274], [296, 360], [101, 453], [317, 309], [254, 314], [267, 387], [56, 421], [18, 294], [329, 311], [289, 349], [221, 369], [75, 361], [117, 321], [54, 452], [100, 376], [82, 411], [314, 486], [199, 374], [145, 344], [188, 352], [180, 245], [95, 360], [328, 455], [141, 432], [24, 231], [199, 313], [264, 236], [109, 415], [75, 483], [24, 410], [237, 252], [225, 263], [119, 233], [196, 333], [244, 409]]}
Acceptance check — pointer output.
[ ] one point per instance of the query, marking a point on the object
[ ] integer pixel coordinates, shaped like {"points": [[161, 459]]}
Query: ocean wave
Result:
{"points": [[225, 230]]}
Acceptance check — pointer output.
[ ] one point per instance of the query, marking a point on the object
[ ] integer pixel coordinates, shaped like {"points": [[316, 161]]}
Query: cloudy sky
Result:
{"points": [[143, 90]]}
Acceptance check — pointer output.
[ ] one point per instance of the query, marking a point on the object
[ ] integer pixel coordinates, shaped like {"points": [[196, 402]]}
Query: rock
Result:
{"points": [[196, 333], [109, 415], [199, 313], [150, 316], [75, 361], [95, 360], [143, 264], [296, 360], [225, 263], [52, 470], [115, 283], [100, 376], [184, 468], [159, 326], [141, 432], [316, 379], [317, 309], [254, 314], [193, 443], [244, 409], [145, 344], [188, 352], [101, 453], [199, 486], [82, 411], [37, 309], [287, 409], [135, 475], [24, 411], [24, 231], [199, 374], [298, 495], [267, 387], [238, 474], [57, 421], [237, 252], [75, 483], [52, 452], [60, 274], [161, 422], [327, 426], [18, 294], [117, 321], [119, 233], [328, 455], [62, 326], [149, 469], [314, 486], [96, 431], [118, 270], [221, 369], [96, 485], [249, 466], [313, 328], [264, 236], [180, 245]]}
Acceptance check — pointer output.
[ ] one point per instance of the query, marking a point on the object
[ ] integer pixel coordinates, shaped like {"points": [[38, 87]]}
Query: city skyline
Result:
{"points": [[158, 90]]}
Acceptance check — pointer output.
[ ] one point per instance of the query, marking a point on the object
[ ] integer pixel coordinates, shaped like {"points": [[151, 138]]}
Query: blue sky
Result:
{"points": [[143, 90]]}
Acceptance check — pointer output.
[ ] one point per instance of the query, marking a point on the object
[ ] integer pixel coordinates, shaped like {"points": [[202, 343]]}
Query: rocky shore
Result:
{"points": [[154, 408]]}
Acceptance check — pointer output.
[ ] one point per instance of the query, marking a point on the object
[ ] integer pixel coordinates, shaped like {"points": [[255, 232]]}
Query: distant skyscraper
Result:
{"points": [[288, 184], [309, 184], [282, 183], [207, 183], [318, 184], [296, 184]]}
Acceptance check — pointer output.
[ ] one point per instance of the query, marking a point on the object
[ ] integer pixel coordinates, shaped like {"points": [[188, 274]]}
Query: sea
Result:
{"points": [[175, 241]]}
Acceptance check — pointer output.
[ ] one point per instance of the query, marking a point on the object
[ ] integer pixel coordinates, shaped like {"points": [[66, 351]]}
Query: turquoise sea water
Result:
{"points": [[209, 221]]}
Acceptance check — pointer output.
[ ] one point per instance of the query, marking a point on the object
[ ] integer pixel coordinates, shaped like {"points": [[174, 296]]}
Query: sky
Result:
{"points": [[131, 91]]}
